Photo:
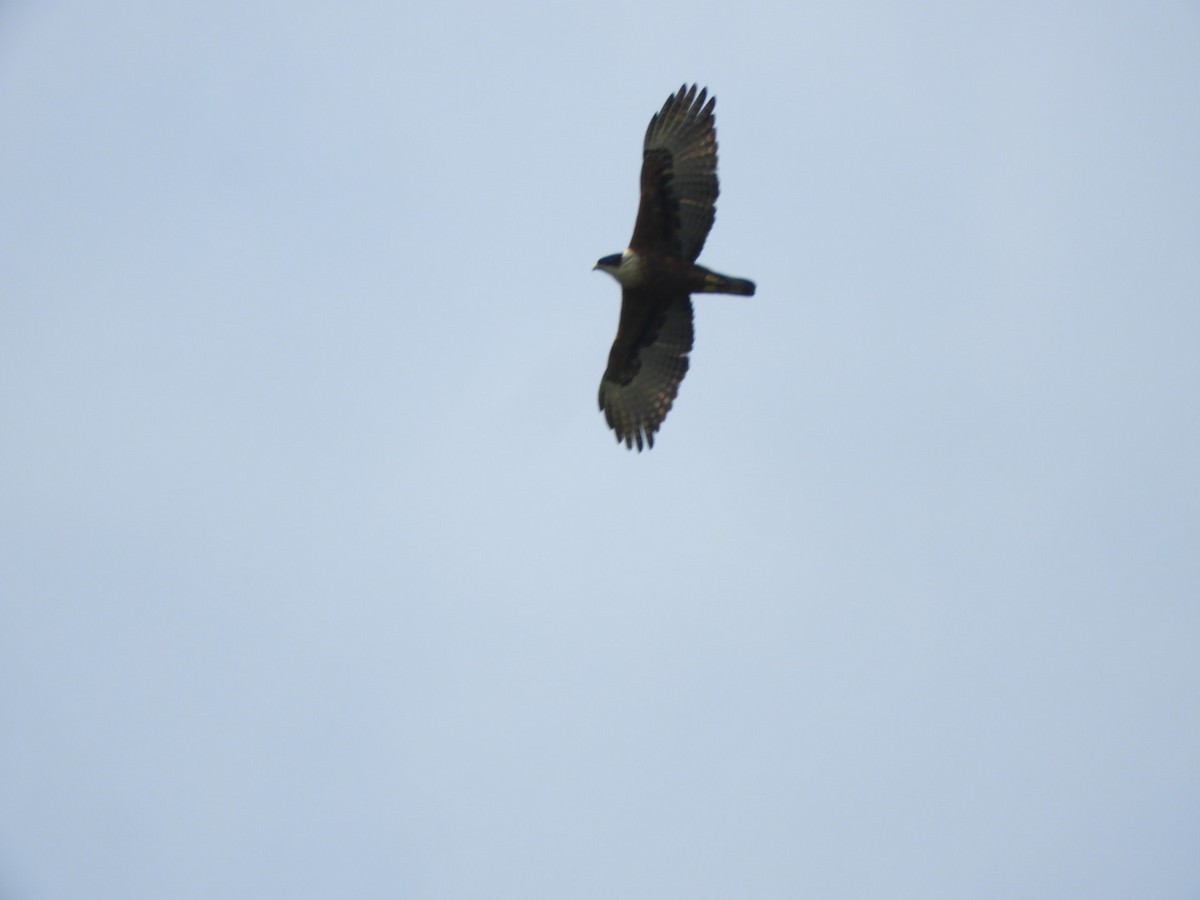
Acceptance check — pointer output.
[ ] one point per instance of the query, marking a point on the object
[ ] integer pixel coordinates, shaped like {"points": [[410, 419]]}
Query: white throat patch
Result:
{"points": [[630, 271]]}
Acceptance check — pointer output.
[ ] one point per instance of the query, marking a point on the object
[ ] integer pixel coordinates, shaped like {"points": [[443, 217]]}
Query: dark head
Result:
{"points": [[609, 263], [625, 267]]}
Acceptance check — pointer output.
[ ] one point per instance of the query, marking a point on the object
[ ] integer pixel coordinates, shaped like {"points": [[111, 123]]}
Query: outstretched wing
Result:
{"points": [[646, 364], [679, 176]]}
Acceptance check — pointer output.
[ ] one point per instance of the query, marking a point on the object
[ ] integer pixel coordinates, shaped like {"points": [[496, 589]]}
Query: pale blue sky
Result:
{"points": [[321, 576]]}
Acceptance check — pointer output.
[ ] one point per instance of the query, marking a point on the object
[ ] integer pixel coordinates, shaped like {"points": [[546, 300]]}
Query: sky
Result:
{"points": [[321, 575]]}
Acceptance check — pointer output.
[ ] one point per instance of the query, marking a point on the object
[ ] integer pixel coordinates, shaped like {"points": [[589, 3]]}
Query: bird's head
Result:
{"points": [[608, 264], [625, 267]]}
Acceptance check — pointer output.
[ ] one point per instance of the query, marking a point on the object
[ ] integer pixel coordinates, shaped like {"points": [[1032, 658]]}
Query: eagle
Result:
{"points": [[658, 272]]}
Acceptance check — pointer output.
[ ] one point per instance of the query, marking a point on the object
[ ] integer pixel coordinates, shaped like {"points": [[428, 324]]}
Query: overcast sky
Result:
{"points": [[321, 575]]}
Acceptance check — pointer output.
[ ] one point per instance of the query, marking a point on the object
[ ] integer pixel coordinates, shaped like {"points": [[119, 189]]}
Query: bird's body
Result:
{"points": [[658, 271]]}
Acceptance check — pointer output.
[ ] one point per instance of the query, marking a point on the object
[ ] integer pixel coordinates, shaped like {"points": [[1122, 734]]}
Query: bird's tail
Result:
{"points": [[715, 283]]}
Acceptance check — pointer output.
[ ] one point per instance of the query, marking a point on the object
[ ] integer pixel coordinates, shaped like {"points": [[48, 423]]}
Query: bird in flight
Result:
{"points": [[658, 271]]}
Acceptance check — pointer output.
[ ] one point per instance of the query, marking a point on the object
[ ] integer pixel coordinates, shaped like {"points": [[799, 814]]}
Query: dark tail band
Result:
{"points": [[723, 284]]}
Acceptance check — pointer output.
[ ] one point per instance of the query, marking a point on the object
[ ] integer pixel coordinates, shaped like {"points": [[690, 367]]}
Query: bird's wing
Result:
{"points": [[646, 364], [679, 176]]}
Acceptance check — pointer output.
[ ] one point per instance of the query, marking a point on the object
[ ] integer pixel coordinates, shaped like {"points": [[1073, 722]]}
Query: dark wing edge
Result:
{"points": [[679, 176], [646, 365]]}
